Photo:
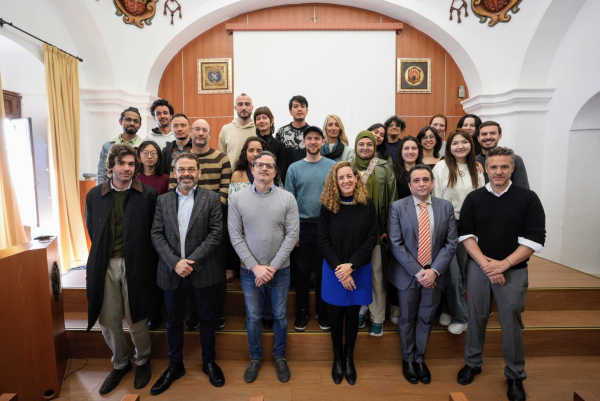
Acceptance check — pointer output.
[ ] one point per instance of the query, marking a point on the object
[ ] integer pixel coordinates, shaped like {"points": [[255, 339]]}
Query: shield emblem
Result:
{"points": [[135, 7]]}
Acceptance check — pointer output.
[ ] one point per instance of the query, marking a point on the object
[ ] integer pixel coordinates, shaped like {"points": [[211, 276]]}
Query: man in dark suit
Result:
{"points": [[423, 238], [186, 233]]}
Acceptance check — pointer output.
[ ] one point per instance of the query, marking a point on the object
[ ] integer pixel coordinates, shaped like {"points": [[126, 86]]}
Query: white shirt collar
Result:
{"points": [[118, 190], [417, 200], [185, 196], [488, 186]]}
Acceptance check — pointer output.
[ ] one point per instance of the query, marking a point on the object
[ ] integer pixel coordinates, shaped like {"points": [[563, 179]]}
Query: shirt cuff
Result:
{"points": [[436, 272], [464, 237], [530, 244], [420, 273]]}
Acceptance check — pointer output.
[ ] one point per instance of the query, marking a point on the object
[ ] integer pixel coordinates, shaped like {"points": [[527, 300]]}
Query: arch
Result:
{"points": [[216, 12], [587, 118]]}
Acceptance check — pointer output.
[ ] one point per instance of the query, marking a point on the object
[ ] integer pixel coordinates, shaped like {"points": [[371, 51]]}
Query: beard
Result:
{"points": [[130, 130]]}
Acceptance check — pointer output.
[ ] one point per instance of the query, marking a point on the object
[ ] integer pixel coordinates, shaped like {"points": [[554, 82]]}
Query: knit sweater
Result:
{"points": [[232, 139], [457, 194], [263, 229]]}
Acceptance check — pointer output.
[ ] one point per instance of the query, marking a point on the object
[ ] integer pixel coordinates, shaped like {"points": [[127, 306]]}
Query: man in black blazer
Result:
{"points": [[423, 238], [187, 231]]}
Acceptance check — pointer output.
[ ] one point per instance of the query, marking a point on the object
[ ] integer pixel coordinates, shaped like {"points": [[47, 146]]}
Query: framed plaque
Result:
{"points": [[414, 75], [214, 75]]}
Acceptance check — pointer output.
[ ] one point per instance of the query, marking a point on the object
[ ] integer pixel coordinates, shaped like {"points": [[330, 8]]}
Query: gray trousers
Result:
{"points": [[510, 299], [417, 310], [111, 318]]}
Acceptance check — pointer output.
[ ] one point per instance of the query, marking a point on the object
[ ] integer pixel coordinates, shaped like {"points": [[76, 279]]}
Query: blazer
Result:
{"points": [[203, 237], [403, 234]]}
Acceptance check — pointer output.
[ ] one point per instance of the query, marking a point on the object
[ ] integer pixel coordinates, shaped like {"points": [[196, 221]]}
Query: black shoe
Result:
{"points": [[143, 373], [113, 379], [219, 321], [165, 380], [283, 370], [267, 324], [423, 373], [154, 322], [323, 319], [337, 370], [192, 322], [467, 374], [516, 391], [350, 370], [215, 374], [301, 320], [251, 372], [409, 369]]}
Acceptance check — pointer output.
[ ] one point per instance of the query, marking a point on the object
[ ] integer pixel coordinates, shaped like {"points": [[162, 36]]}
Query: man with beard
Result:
{"points": [[490, 134], [234, 135], [305, 180], [162, 112], [187, 230], [292, 134], [182, 143], [131, 121]]}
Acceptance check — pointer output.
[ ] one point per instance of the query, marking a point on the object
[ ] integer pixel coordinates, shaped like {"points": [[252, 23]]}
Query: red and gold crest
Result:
{"points": [[137, 12], [495, 10]]}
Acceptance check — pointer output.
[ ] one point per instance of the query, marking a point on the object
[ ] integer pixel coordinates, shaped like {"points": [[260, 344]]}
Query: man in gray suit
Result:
{"points": [[423, 238], [186, 233]]}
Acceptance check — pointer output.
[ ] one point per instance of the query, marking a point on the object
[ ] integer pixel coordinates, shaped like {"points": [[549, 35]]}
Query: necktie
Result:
{"points": [[424, 236]]}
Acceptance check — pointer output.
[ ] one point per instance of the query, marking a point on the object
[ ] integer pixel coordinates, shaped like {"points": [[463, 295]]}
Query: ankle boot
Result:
{"points": [[350, 372], [338, 360]]}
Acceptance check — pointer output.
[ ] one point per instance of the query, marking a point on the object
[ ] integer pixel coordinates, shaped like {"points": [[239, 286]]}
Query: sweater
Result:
{"points": [[292, 138], [232, 139], [263, 229], [499, 222], [279, 151], [519, 175], [160, 182], [348, 236], [306, 180], [461, 189]]}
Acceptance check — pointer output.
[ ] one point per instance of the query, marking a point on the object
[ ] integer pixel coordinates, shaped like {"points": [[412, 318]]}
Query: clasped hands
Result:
{"points": [[427, 279], [263, 273], [494, 269], [343, 273], [184, 267]]}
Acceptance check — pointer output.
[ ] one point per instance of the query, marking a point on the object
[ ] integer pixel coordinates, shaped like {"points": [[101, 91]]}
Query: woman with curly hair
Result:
{"points": [[347, 234]]}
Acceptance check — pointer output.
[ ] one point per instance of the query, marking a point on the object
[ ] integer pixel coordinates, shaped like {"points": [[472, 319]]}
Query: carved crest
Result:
{"points": [[137, 12], [495, 10]]}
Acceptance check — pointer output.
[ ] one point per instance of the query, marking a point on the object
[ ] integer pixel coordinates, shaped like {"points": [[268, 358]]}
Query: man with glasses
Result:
{"points": [[130, 121], [187, 231], [182, 143], [264, 242]]}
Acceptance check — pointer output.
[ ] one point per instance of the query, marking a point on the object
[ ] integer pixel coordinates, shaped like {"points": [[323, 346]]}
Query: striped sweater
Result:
{"points": [[215, 176]]}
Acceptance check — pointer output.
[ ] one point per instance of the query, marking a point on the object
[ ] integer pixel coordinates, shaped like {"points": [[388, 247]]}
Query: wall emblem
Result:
{"points": [[414, 75], [137, 12], [214, 75], [495, 10]]}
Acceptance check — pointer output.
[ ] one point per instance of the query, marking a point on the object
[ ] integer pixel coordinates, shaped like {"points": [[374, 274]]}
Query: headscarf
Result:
{"points": [[361, 164]]}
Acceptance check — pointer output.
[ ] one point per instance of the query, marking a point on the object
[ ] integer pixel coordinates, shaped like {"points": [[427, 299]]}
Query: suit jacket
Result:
{"points": [[203, 237], [403, 234]]}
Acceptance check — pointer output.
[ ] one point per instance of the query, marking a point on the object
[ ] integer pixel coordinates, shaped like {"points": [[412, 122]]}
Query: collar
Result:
{"points": [[489, 188], [121, 140], [417, 201], [267, 191], [107, 186], [179, 194]]}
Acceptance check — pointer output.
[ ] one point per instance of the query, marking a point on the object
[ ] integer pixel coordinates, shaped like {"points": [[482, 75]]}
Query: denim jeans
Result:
{"points": [[254, 296]]}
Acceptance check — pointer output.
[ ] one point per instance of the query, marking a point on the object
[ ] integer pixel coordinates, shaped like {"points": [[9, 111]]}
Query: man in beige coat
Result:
{"points": [[234, 135]]}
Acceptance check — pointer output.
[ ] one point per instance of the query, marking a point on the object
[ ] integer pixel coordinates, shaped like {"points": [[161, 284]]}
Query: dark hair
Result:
{"points": [[438, 139], [186, 155], [451, 160], [131, 109], [180, 115], [161, 102], [473, 116], [489, 124], [267, 112], [500, 151], [242, 162], [399, 170], [160, 163], [116, 153], [382, 152], [395, 119], [420, 167], [277, 179], [300, 99], [375, 126]]}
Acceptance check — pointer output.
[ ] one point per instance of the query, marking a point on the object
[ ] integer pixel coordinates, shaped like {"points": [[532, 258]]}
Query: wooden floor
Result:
{"points": [[550, 378]]}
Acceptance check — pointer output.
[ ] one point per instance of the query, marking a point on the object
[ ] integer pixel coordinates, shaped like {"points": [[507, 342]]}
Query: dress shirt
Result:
{"points": [[430, 213], [267, 191], [118, 190], [186, 204]]}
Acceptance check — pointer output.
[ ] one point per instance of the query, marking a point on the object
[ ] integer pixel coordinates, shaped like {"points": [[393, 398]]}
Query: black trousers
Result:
{"points": [[305, 258], [336, 316]]}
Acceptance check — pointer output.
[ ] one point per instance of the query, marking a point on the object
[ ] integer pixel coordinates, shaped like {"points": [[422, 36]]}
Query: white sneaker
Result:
{"points": [[445, 319], [394, 313], [457, 328]]}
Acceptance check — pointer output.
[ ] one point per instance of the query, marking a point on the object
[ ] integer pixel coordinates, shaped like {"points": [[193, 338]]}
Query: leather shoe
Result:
{"points": [[423, 373], [215, 374], [467, 374], [516, 391], [410, 372], [165, 380], [113, 379], [143, 373]]}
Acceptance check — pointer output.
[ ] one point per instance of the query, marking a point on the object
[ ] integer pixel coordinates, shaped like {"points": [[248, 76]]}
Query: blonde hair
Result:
{"points": [[343, 137], [330, 198]]}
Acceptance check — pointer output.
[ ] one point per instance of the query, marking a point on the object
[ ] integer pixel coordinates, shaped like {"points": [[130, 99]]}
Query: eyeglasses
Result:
{"points": [[146, 153], [198, 129], [190, 170], [129, 119], [429, 137], [269, 166]]}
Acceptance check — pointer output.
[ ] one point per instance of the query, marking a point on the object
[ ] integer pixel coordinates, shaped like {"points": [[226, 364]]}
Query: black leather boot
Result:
{"points": [[350, 371], [338, 360]]}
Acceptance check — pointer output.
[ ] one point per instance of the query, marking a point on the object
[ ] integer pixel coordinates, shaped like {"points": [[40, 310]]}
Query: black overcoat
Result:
{"points": [[141, 259]]}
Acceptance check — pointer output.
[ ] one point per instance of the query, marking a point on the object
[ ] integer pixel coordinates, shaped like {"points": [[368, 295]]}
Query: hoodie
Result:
{"points": [[232, 139], [159, 138]]}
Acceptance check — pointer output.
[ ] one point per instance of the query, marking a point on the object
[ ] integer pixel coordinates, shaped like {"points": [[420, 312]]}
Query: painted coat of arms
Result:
{"points": [[495, 10], [214, 75], [137, 12], [414, 75]]}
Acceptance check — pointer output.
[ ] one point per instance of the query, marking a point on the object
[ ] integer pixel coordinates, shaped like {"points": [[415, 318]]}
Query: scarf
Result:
{"points": [[336, 151], [372, 183]]}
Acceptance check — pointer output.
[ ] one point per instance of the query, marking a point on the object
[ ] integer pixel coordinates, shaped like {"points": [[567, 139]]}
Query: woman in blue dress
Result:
{"points": [[347, 234]]}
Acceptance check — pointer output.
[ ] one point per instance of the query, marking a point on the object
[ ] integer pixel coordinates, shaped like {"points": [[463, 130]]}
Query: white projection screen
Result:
{"points": [[351, 74]]}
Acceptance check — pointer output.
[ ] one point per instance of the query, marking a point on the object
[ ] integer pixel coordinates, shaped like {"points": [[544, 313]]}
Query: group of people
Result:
{"points": [[393, 220]]}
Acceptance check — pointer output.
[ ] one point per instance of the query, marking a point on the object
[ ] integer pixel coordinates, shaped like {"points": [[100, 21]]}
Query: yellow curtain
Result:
{"points": [[11, 229], [62, 95]]}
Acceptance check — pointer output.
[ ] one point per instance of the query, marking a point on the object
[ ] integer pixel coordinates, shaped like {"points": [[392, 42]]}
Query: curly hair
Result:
{"points": [[399, 170], [330, 197], [116, 153], [161, 102], [242, 162]]}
